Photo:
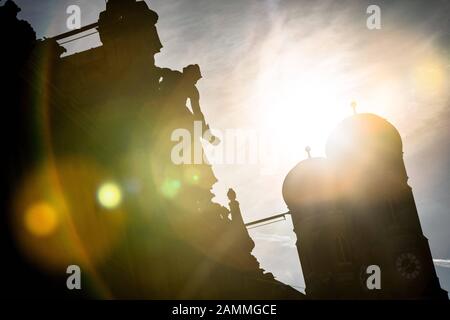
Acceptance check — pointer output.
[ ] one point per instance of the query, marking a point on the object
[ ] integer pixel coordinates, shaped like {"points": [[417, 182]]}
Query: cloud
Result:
{"points": [[442, 263], [284, 241]]}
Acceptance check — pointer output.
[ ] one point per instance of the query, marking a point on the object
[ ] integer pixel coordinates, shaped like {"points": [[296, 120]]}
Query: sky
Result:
{"points": [[287, 71]]}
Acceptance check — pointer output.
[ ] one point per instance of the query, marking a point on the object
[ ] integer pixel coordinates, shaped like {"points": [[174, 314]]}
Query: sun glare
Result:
{"points": [[299, 105], [301, 94]]}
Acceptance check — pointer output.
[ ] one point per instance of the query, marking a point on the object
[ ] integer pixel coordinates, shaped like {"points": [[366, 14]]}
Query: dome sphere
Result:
{"points": [[310, 182], [364, 136]]}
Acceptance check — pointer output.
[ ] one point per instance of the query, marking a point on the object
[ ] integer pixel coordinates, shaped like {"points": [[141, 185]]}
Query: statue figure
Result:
{"points": [[180, 87], [127, 24], [191, 75], [18, 37]]}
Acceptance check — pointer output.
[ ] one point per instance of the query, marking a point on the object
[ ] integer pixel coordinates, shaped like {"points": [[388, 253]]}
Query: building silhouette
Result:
{"points": [[355, 209]]}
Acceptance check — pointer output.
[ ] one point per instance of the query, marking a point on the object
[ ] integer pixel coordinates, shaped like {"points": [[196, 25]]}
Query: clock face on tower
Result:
{"points": [[408, 265]]}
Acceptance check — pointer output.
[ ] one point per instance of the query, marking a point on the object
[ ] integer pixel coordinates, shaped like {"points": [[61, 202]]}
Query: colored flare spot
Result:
{"points": [[109, 195], [171, 188], [191, 176], [41, 220], [430, 76]]}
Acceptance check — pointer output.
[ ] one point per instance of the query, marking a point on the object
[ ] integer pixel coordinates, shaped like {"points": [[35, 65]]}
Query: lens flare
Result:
{"points": [[109, 195], [41, 219], [429, 76], [171, 187]]}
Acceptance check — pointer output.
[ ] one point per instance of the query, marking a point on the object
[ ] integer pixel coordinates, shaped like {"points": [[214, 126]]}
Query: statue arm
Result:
{"points": [[199, 116], [194, 97]]}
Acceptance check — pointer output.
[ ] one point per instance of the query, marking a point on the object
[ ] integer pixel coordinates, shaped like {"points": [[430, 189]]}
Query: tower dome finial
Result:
{"points": [[308, 151], [354, 104]]}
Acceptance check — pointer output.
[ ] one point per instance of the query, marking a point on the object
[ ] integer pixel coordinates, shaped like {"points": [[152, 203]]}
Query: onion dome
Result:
{"points": [[308, 183], [364, 136]]}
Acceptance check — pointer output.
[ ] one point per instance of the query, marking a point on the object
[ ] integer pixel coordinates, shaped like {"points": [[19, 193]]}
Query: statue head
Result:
{"points": [[11, 7], [119, 3], [192, 72]]}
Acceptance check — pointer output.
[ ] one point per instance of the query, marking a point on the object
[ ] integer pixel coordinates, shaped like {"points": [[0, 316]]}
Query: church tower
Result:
{"points": [[322, 230], [355, 209]]}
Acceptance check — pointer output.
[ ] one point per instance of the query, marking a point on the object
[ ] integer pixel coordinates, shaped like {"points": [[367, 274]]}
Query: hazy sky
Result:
{"points": [[288, 70]]}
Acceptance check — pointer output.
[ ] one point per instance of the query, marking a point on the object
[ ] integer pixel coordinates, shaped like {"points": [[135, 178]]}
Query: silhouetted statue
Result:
{"points": [[191, 75], [128, 32], [181, 87], [133, 19], [169, 85], [238, 222], [9, 11], [18, 37]]}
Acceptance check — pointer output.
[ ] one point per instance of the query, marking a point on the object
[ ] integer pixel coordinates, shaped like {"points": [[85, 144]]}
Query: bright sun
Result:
{"points": [[301, 94], [299, 105]]}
